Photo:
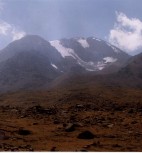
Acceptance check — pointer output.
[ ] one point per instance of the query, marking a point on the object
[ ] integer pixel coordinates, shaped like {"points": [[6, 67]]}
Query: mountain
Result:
{"points": [[27, 64], [91, 53], [131, 74], [133, 67], [34, 63]]}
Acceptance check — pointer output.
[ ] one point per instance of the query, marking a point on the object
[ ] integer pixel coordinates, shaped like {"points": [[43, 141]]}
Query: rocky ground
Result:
{"points": [[78, 122]]}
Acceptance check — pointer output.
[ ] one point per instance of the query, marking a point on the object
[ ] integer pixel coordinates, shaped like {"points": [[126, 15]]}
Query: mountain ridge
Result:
{"points": [[33, 62]]}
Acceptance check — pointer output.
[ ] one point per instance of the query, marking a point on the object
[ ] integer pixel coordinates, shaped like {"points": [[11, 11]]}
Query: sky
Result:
{"points": [[118, 22]]}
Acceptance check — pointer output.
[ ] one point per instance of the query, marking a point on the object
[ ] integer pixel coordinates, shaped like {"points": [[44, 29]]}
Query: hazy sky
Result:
{"points": [[116, 21]]}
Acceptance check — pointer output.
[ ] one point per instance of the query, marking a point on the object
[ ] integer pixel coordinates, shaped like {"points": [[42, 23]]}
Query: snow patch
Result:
{"points": [[53, 65], [89, 66], [97, 39], [109, 59], [83, 43], [61, 49], [89, 69], [100, 65], [70, 52]]}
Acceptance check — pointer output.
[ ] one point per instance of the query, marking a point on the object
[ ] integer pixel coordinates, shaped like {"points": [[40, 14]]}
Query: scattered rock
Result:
{"points": [[78, 124], [22, 131], [35, 110], [83, 150], [95, 144], [110, 136], [53, 149], [110, 125], [23, 116], [130, 132], [56, 121], [35, 123], [64, 112], [14, 149], [86, 135], [116, 145], [79, 106], [64, 124], [118, 108], [70, 127], [131, 111], [87, 146], [2, 135], [134, 122]]}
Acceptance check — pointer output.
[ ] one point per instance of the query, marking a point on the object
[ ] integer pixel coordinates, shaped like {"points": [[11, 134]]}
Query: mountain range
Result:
{"points": [[35, 63]]}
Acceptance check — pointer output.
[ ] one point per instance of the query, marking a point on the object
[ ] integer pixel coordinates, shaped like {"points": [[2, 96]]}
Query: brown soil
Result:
{"points": [[53, 120]]}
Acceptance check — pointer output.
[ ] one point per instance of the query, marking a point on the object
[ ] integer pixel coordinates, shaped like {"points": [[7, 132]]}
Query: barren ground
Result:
{"points": [[53, 120]]}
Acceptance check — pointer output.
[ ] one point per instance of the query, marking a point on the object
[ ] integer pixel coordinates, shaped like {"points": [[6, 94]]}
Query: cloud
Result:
{"points": [[126, 33], [18, 34], [10, 30], [4, 28]]}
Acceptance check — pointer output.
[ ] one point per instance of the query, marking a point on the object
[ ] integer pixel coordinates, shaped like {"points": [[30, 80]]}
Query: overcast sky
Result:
{"points": [[116, 21]]}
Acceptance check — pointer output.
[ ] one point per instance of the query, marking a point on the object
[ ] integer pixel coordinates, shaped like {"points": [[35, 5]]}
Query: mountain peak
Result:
{"points": [[29, 36], [32, 38]]}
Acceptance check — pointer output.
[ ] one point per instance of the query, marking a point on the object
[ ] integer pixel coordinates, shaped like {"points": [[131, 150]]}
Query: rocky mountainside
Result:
{"points": [[91, 53], [131, 74], [33, 62]]}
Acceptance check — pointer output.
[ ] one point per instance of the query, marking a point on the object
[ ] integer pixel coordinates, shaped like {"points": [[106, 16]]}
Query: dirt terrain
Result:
{"points": [[84, 119]]}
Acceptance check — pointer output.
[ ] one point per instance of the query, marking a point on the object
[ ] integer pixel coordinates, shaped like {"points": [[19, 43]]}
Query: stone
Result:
{"points": [[86, 135], [53, 149], [87, 146], [110, 125], [116, 145], [78, 124], [2, 135], [95, 144], [83, 150], [35, 123], [22, 131], [79, 106], [56, 122], [70, 127], [131, 111]]}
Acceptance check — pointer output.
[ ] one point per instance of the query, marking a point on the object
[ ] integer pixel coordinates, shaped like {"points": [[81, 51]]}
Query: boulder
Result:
{"points": [[22, 131], [86, 135]]}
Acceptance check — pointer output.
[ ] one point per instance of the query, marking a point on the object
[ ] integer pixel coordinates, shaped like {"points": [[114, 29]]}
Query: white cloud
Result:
{"points": [[18, 34], [4, 28], [9, 30], [126, 33]]}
